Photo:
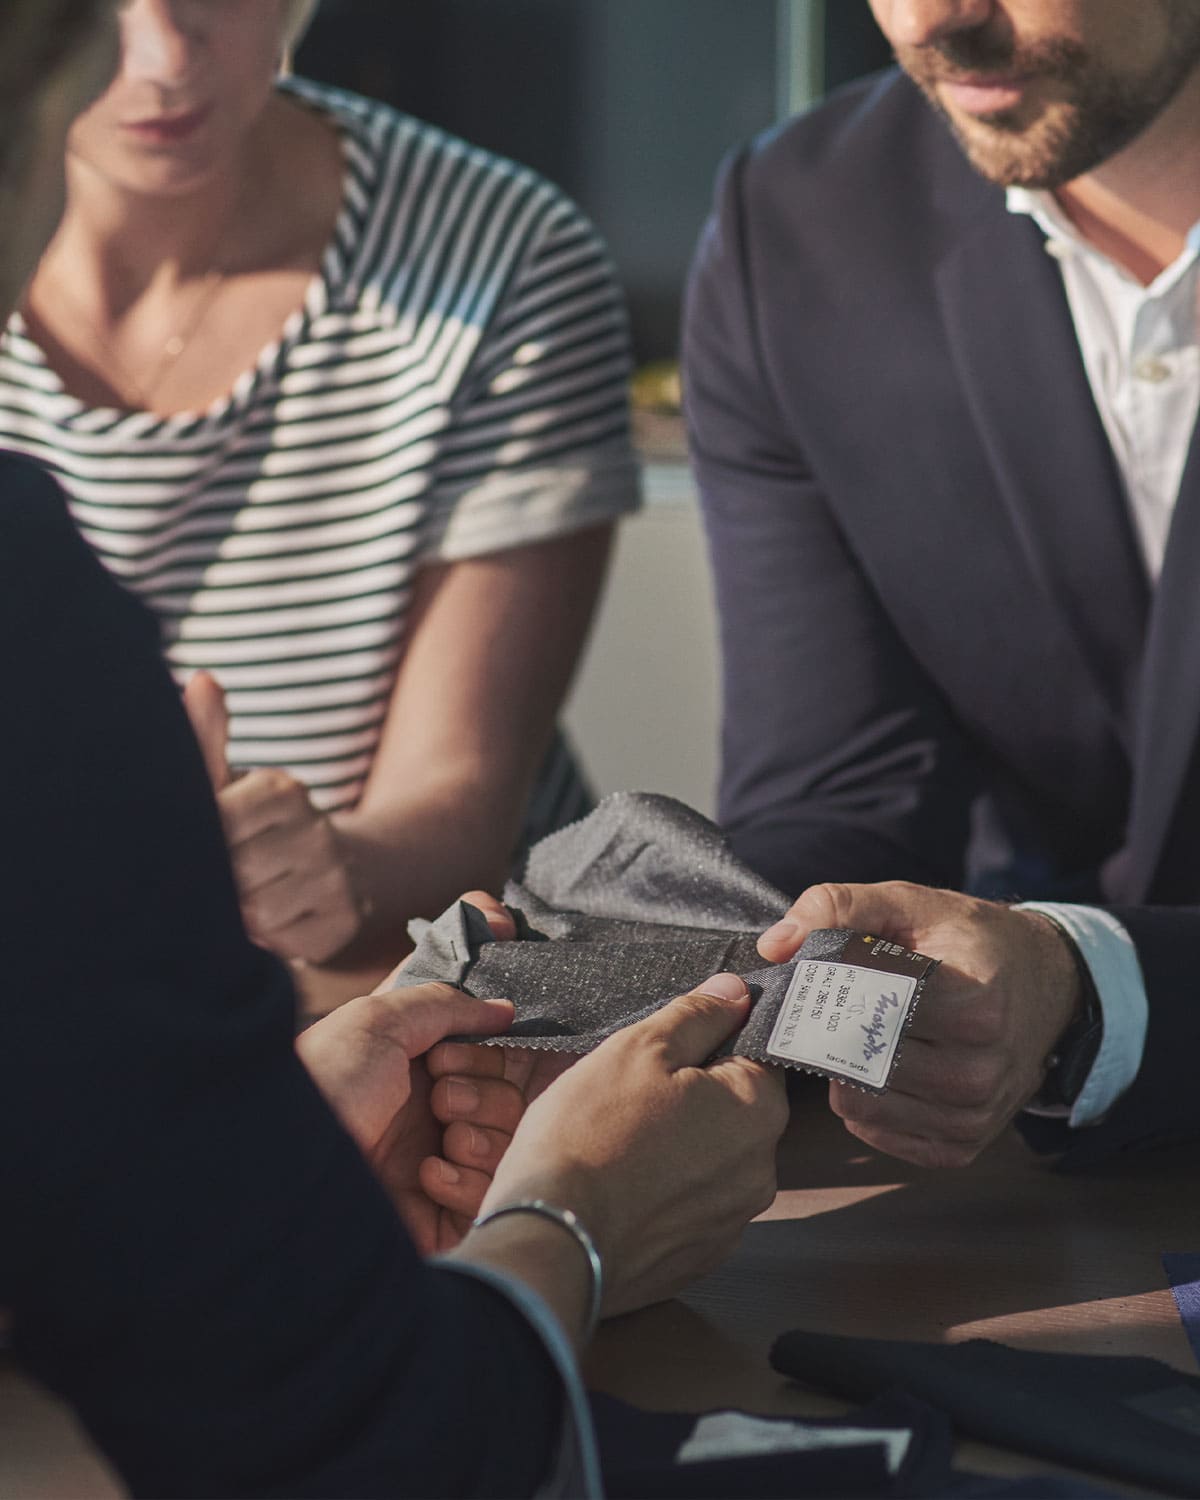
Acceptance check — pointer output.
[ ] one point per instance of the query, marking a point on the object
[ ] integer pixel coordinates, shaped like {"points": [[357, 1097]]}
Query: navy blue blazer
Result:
{"points": [[194, 1254], [943, 660]]}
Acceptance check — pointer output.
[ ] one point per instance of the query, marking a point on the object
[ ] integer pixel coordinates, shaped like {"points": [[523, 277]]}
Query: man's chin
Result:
{"points": [[1008, 151]]}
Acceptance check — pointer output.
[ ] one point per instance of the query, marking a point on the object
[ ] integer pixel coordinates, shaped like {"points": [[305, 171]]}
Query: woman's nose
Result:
{"points": [[156, 46]]}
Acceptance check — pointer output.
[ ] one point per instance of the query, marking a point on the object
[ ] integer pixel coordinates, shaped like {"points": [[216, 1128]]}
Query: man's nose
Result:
{"points": [[919, 23], [156, 47]]}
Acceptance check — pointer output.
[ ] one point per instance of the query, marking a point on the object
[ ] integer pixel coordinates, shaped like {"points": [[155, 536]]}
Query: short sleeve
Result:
{"points": [[540, 441]]}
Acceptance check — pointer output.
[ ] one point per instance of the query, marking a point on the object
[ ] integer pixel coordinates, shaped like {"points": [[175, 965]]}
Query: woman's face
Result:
{"points": [[194, 78]]}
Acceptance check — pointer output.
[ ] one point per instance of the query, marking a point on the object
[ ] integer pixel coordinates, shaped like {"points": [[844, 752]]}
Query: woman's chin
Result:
{"points": [[160, 174]]}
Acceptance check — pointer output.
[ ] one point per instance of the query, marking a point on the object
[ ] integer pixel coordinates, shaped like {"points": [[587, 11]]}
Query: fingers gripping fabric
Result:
{"points": [[639, 902]]}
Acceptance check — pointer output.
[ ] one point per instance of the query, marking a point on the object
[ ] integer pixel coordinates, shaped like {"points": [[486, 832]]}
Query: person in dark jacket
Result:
{"points": [[942, 373], [196, 1253]]}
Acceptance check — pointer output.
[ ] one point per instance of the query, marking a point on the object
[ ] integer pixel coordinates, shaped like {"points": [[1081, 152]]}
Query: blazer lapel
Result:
{"points": [[1012, 337]]}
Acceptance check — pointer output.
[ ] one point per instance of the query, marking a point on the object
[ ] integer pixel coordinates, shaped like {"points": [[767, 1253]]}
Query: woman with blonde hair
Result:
{"points": [[342, 399]]}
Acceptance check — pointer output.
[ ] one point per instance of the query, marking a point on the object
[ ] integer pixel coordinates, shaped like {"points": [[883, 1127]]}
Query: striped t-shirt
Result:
{"points": [[454, 385]]}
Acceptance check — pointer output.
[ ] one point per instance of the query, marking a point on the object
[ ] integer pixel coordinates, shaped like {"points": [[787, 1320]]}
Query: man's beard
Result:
{"points": [[1094, 113]]}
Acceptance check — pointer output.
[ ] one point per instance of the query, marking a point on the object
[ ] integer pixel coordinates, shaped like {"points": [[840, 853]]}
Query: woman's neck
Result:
{"points": [[124, 245], [161, 303], [130, 241]]}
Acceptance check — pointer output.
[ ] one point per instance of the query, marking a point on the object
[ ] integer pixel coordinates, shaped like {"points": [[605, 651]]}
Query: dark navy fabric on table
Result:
{"points": [[640, 1457], [1133, 1419], [1183, 1272]]}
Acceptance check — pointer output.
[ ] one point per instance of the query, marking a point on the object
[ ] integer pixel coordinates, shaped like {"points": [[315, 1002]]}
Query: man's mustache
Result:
{"points": [[984, 50]]}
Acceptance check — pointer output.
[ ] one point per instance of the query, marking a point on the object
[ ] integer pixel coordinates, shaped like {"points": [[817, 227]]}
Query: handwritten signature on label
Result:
{"points": [[872, 1047]]}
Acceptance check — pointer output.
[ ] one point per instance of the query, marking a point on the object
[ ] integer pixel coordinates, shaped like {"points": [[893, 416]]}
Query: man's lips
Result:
{"points": [[985, 94], [169, 129]]}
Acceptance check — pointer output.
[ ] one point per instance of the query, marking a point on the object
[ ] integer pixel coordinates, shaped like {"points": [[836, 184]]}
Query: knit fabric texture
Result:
{"points": [[637, 903]]}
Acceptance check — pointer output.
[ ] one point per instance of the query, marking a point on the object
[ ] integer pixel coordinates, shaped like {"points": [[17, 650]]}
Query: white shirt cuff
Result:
{"points": [[575, 1469], [1112, 961]]}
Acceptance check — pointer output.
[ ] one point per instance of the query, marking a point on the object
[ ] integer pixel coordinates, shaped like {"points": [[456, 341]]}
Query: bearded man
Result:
{"points": [[942, 373]]}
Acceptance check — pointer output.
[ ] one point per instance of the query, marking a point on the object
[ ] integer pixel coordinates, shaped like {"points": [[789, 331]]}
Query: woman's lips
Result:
{"points": [[983, 95], [169, 130]]}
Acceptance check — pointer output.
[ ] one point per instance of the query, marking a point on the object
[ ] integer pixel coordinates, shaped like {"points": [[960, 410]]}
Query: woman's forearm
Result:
{"points": [[409, 860]]}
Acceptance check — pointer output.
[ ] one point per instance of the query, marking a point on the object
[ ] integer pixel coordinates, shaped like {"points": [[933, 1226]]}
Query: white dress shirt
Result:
{"points": [[1141, 350]]}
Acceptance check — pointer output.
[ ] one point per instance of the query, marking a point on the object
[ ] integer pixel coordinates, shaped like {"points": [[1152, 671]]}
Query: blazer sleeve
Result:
{"points": [[840, 761], [194, 1254]]}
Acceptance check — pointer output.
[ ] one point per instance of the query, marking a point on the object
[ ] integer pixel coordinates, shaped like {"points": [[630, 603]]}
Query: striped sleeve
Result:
{"points": [[540, 442]]}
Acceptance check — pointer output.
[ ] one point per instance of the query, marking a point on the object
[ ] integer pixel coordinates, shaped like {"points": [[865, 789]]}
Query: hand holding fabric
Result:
{"points": [[481, 1094], [367, 1058], [297, 895], [976, 1050], [663, 1155], [528, 1070]]}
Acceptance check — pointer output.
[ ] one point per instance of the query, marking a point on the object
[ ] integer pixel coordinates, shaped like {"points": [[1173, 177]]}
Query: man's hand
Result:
{"points": [[481, 1094], [989, 1018], [297, 895], [367, 1058], [528, 1069], [665, 1155]]}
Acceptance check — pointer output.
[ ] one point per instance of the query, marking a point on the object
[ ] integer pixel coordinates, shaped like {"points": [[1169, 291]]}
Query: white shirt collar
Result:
{"points": [[1063, 238]]}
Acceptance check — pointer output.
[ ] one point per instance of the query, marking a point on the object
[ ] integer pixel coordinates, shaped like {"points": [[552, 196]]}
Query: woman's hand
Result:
{"points": [[298, 898], [367, 1058], [663, 1154]]}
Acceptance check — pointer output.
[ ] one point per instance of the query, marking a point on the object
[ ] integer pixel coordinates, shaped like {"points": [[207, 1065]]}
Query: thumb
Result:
{"points": [[495, 914], [888, 907], [429, 1013], [204, 699], [695, 1025]]}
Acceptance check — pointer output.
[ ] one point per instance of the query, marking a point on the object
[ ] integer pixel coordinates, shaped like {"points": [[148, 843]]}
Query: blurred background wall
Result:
{"points": [[629, 105]]}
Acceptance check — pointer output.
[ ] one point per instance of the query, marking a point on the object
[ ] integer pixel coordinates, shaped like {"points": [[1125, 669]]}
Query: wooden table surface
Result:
{"points": [[858, 1244]]}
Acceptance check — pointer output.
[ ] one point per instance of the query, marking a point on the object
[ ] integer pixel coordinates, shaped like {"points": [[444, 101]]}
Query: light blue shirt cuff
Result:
{"points": [[1112, 961], [575, 1470]]}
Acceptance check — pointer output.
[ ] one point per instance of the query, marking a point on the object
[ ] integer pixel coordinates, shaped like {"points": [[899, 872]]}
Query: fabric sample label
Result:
{"points": [[844, 1015]]}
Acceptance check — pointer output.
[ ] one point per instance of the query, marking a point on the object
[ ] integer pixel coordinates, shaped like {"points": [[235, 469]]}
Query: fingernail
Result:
{"points": [[462, 1098], [782, 932], [448, 1174], [478, 1143], [723, 987]]}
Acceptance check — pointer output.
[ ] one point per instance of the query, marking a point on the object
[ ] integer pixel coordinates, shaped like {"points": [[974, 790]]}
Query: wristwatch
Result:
{"points": [[1068, 1066]]}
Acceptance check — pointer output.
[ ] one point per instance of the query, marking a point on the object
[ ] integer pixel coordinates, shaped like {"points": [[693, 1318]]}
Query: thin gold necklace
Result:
{"points": [[174, 348]]}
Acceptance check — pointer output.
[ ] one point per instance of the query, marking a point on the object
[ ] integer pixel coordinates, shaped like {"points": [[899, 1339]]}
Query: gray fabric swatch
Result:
{"points": [[617, 914]]}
